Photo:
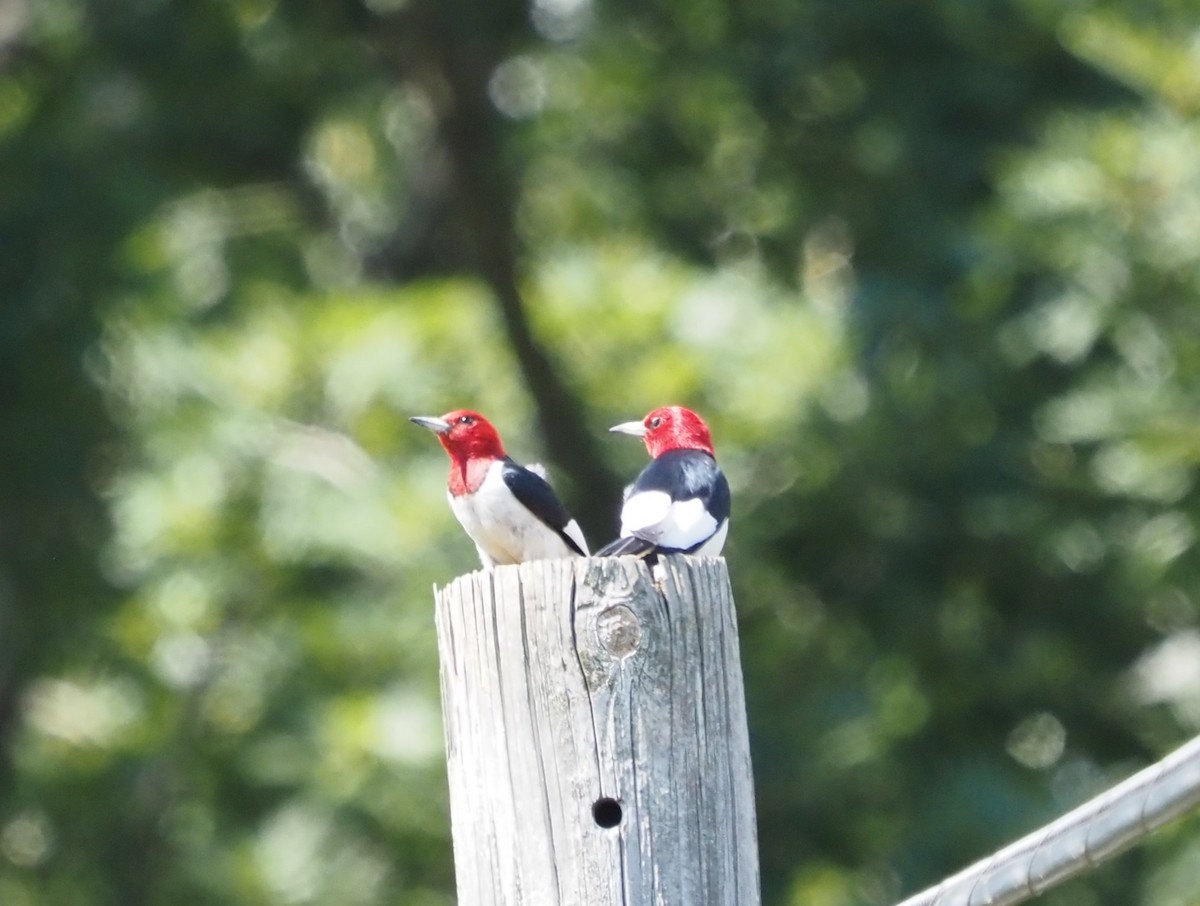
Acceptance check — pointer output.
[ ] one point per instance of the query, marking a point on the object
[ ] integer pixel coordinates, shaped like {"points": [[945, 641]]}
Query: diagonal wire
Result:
{"points": [[1097, 830]]}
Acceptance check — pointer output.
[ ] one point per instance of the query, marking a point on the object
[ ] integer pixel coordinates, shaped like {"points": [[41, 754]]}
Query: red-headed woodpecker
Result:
{"points": [[680, 502], [511, 512]]}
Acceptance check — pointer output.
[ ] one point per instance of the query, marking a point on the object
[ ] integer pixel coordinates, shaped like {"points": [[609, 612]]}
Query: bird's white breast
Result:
{"points": [[503, 530]]}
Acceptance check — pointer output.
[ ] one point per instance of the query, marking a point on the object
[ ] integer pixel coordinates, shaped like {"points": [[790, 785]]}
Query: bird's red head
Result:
{"points": [[465, 434], [670, 428]]}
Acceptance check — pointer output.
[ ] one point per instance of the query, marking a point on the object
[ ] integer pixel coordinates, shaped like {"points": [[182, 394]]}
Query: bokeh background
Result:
{"points": [[930, 269]]}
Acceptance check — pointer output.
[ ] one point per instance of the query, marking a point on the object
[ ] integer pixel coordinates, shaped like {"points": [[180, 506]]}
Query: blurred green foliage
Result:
{"points": [[930, 270]]}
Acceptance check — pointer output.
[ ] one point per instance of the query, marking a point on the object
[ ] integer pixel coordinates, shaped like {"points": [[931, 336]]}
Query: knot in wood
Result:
{"points": [[620, 631]]}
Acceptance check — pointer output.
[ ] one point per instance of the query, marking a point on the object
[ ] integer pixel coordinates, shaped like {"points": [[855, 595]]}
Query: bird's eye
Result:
{"points": [[656, 422], [465, 420]]}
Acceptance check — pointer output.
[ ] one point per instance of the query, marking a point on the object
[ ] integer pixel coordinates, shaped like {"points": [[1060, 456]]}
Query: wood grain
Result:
{"points": [[576, 691]]}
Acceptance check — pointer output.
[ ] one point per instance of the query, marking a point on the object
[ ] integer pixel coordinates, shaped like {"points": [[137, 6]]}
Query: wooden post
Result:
{"points": [[596, 735]]}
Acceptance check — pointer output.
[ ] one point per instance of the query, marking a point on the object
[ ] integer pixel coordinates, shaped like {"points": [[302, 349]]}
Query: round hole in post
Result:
{"points": [[606, 812]]}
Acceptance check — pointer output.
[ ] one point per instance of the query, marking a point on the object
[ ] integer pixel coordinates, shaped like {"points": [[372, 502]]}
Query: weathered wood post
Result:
{"points": [[596, 735]]}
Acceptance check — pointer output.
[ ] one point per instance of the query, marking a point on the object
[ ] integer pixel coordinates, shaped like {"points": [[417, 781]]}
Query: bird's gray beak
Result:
{"points": [[436, 425], [637, 429]]}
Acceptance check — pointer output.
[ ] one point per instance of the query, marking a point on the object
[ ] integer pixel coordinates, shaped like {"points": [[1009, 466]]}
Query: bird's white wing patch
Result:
{"points": [[643, 512], [680, 524], [575, 533]]}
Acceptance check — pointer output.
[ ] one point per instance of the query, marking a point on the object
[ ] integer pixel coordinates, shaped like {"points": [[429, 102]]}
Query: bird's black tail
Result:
{"points": [[629, 546]]}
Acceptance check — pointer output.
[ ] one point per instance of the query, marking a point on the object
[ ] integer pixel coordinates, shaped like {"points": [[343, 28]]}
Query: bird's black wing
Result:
{"points": [[535, 494], [683, 475], [686, 475]]}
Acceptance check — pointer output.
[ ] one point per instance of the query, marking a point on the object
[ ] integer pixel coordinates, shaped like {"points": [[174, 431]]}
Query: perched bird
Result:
{"points": [[510, 511], [680, 502]]}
